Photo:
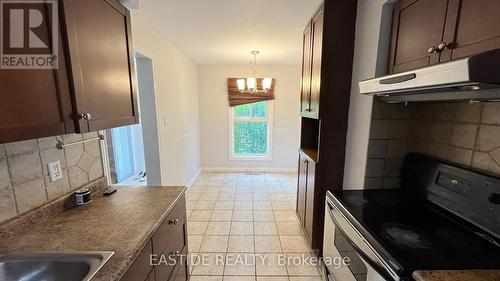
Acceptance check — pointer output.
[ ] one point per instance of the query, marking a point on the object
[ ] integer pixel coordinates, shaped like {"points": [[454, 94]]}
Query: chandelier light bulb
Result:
{"points": [[266, 84], [241, 84], [251, 83]]}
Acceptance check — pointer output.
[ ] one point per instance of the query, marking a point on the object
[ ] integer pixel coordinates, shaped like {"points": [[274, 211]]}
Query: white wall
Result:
{"points": [[177, 104], [370, 59], [214, 117]]}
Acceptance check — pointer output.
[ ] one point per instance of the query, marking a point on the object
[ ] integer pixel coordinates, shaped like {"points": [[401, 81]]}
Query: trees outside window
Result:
{"points": [[251, 131]]}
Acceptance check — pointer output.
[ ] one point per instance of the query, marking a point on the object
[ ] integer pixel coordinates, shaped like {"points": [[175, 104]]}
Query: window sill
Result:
{"points": [[251, 158]]}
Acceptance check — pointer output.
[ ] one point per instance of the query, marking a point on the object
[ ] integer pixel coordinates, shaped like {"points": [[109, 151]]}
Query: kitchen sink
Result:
{"points": [[53, 266]]}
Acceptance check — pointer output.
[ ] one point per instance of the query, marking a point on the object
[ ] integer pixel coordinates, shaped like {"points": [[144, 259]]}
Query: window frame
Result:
{"points": [[268, 119]]}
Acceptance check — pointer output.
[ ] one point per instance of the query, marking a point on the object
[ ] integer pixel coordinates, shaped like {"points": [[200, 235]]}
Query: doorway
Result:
{"points": [[132, 152], [126, 155]]}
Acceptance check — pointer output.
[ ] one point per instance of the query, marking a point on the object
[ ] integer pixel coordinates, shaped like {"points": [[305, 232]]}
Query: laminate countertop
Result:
{"points": [[122, 223], [457, 275]]}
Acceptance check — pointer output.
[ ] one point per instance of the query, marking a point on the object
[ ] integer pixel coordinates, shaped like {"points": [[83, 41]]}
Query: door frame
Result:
{"points": [[142, 53]]}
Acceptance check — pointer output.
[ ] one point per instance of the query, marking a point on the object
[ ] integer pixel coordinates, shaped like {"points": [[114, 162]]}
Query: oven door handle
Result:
{"points": [[328, 273], [373, 265], [379, 266]]}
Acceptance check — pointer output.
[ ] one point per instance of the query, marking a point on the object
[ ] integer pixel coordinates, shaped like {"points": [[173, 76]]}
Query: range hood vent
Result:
{"points": [[476, 78]]}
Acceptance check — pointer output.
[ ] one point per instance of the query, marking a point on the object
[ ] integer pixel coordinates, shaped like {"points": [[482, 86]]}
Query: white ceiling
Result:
{"points": [[225, 31]]}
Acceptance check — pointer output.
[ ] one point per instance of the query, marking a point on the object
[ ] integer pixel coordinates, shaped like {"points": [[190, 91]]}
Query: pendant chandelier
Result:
{"points": [[249, 85]]}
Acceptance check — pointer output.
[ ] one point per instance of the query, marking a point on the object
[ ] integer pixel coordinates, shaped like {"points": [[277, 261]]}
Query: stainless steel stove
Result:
{"points": [[442, 217]]}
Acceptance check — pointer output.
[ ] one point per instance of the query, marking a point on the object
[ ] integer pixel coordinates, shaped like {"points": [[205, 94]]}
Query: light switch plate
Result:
{"points": [[55, 172]]}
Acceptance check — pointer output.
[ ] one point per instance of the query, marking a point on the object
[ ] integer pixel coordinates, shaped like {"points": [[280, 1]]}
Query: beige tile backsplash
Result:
{"points": [[24, 180], [466, 134]]}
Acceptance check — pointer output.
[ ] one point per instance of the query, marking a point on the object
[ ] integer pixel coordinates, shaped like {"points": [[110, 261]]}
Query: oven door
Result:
{"points": [[342, 241]]}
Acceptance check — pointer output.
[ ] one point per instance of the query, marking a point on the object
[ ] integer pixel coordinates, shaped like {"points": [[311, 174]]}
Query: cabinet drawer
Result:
{"points": [[180, 272], [165, 269], [152, 275], [173, 271], [171, 234], [141, 267]]}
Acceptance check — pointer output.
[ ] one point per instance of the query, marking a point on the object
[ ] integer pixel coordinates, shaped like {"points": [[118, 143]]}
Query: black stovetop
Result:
{"points": [[418, 235], [428, 224]]}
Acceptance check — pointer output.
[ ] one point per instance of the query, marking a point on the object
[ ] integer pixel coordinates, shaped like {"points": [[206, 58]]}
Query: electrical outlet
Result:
{"points": [[55, 172]]}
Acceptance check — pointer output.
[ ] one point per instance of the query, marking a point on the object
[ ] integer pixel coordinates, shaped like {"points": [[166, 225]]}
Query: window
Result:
{"points": [[251, 131]]}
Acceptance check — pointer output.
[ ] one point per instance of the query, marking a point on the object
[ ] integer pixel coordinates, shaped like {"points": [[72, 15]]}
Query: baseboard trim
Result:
{"points": [[193, 179], [249, 169]]}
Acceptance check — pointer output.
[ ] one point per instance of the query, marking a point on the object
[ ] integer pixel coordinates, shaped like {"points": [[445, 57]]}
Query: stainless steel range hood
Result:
{"points": [[476, 78]]}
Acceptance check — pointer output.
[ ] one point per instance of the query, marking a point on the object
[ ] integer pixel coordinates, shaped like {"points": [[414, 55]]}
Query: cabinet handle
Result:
{"points": [[85, 116], [432, 50], [174, 222], [443, 46]]}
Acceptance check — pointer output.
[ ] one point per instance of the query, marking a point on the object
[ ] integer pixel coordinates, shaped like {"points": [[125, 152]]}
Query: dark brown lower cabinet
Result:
{"points": [[141, 268], [170, 239], [152, 275], [309, 220], [169, 243], [305, 193], [301, 188], [180, 272]]}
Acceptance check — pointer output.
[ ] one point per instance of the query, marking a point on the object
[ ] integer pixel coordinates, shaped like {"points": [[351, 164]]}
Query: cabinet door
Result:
{"points": [[35, 102], [311, 171], [472, 27], [102, 63], [170, 237], [305, 95], [417, 29], [152, 275], [317, 27], [180, 273], [302, 188], [141, 267]]}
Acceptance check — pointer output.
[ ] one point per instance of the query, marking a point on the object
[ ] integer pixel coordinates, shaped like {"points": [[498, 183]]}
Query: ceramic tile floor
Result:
{"points": [[246, 217]]}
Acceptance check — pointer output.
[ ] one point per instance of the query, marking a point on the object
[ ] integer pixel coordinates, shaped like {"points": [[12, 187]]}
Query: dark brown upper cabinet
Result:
{"points": [[426, 32], [472, 27], [417, 27], [102, 68], [35, 102], [305, 94], [311, 66], [317, 27], [93, 87]]}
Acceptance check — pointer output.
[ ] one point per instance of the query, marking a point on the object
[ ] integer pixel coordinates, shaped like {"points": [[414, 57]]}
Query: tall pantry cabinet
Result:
{"points": [[328, 48]]}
